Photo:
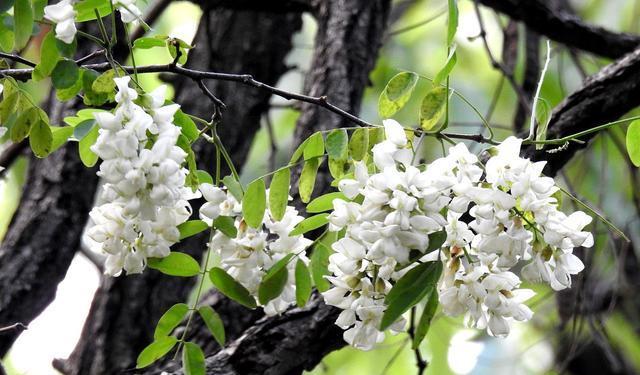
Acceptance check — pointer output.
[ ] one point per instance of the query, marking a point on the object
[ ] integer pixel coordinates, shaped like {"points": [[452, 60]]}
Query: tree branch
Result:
{"points": [[565, 28]]}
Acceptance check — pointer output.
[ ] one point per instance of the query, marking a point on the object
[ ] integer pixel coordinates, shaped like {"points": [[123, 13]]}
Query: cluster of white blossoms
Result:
{"points": [[63, 15], [494, 217], [253, 251], [144, 181]]}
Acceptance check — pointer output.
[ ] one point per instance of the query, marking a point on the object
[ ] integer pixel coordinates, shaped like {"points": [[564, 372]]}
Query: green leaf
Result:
{"points": [[234, 187], [151, 42], [213, 322], [297, 154], [186, 124], [274, 280], [228, 286], [325, 202], [91, 97], [175, 264], [338, 167], [38, 9], [104, 84], [156, 350], [310, 223], [543, 116], [303, 283], [307, 180], [60, 136], [425, 319], [22, 23], [10, 102], [432, 108], [49, 56], [41, 138], [65, 74], [452, 22], [336, 144], [170, 320], [409, 290], [436, 240], [23, 125], [279, 193], [447, 68], [204, 177], [226, 225], [191, 228], [88, 157], [359, 144], [192, 359], [85, 9], [320, 266], [397, 93], [254, 203], [6, 34], [66, 50], [633, 142], [314, 146], [69, 93]]}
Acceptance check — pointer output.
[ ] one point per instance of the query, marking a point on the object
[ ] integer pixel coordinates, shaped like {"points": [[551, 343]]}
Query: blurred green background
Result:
{"points": [[600, 175]]}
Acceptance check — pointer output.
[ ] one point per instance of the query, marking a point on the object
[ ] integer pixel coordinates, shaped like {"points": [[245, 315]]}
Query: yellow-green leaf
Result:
{"points": [[228, 286], [22, 23], [192, 359], [633, 142], [279, 193], [88, 157], [303, 283], [307, 180], [41, 138], [175, 264], [213, 322], [397, 93], [170, 320], [432, 108], [254, 203], [156, 350]]}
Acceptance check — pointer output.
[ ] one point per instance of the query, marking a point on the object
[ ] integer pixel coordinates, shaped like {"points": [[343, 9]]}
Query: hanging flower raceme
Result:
{"points": [[248, 253], [64, 16], [144, 181], [491, 218]]}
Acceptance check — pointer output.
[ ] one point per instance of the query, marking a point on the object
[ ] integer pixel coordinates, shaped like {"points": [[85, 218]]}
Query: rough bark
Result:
{"points": [[565, 28], [604, 97], [530, 79], [43, 236], [125, 309]]}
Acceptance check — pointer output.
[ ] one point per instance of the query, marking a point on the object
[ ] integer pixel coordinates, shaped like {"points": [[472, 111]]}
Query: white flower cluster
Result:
{"points": [[63, 15], [494, 218], [249, 255], [143, 181]]}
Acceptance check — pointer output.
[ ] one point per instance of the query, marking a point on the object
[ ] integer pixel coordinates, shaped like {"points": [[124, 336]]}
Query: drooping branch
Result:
{"points": [[125, 310], [565, 28]]}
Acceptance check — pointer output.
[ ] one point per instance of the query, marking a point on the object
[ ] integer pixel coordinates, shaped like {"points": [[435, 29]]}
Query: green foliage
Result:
{"points": [[254, 203], [633, 142], [319, 266], [234, 187], [156, 350], [432, 108], [21, 128], [543, 116], [104, 84], [86, 9], [226, 225], [310, 223], [186, 124], [191, 228], [452, 22], [336, 144], [213, 323], [151, 42], [425, 319], [192, 359], [314, 146], [303, 283], [49, 57], [170, 320], [279, 193], [88, 157], [60, 135], [307, 180], [325, 202], [175, 264], [41, 138], [231, 288], [65, 74], [447, 68], [359, 144], [274, 280], [397, 93], [409, 290], [22, 23]]}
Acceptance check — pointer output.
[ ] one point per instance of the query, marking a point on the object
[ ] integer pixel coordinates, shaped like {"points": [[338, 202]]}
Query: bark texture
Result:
{"points": [[125, 309], [541, 16]]}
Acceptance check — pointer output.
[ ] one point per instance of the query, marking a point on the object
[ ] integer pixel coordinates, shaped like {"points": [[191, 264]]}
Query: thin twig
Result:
{"points": [[17, 58], [421, 363], [16, 326]]}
